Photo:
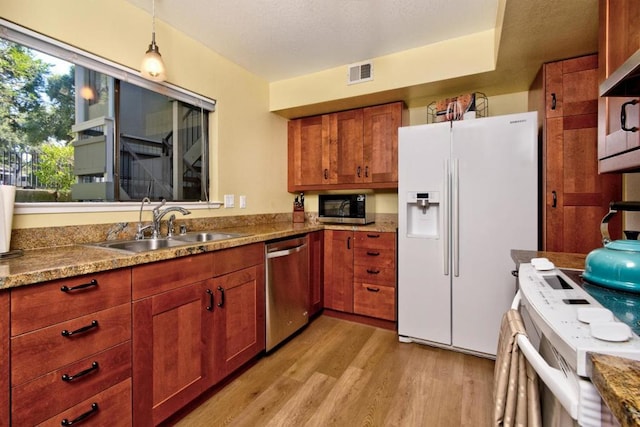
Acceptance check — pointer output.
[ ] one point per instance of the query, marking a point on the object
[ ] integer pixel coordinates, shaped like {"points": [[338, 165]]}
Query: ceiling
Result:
{"points": [[279, 39]]}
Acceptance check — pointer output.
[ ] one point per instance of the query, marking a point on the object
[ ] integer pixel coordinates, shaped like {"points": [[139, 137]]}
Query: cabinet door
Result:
{"points": [[346, 147], [619, 38], [338, 270], [316, 256], [308, 153], [576, 197], [239, 319], [380, 143], [171, 350]]}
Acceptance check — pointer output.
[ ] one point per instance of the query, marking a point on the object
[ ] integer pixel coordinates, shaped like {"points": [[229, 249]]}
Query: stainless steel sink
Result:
{"points": [[146, 245], [206, 236], [139, 245]]}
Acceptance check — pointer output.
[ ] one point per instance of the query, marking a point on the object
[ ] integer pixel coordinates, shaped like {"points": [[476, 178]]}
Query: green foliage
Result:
{"points": [[56, 167]]}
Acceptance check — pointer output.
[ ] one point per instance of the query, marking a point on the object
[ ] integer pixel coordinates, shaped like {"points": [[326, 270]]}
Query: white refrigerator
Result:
{"points": [[467, 195]]}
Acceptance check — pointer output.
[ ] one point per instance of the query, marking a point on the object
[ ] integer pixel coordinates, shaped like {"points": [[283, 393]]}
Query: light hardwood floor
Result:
{"points": [[339, 373]]}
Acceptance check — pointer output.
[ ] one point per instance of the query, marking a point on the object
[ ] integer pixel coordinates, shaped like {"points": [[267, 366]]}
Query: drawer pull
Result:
{"points": [[373, 271], [373, 236], [210, 306], [373, 253], [221, 303], [68, 378], [92, 283], [68, 334], [80, 418], [623, 116], [373, 289]]}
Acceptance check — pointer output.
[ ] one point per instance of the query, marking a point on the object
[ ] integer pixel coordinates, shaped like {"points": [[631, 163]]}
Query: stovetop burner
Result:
{"points": [[624, 305]]}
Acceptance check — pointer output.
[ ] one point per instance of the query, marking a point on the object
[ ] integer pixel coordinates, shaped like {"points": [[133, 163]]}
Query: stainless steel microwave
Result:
{"points": [[346, 208]]}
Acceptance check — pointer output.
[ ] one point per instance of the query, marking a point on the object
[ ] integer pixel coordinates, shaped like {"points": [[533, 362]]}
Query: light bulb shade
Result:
{"points": [[152, 67]]}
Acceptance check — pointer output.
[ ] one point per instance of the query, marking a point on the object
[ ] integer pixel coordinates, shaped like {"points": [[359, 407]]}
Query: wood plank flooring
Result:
{"points": [[339, 373]]}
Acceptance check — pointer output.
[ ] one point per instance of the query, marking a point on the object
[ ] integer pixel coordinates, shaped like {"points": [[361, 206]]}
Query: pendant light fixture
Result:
{"points": [[152, 67]]}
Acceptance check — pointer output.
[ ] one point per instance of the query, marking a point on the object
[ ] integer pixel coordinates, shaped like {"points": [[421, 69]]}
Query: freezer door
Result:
{"points": [[496, 173], [424, 290]]}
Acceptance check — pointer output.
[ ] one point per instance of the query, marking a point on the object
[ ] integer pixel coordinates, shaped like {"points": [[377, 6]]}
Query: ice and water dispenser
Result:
{"points": [[423, 212]]}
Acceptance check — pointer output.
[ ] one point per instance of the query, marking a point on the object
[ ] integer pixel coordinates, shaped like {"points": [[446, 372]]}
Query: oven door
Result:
{"points": [[566, 398]]}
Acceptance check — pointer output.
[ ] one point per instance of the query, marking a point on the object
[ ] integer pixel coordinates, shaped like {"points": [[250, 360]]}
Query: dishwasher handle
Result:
{"points": [[285, 252]]}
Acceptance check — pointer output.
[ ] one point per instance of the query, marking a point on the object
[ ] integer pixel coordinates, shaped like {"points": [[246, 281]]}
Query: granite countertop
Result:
{"points": [[617, 379], [44, 264]]}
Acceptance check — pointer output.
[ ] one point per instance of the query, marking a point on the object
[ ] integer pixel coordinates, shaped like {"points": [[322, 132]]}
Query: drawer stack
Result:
{"points": [[374, 284], [70, 351]]}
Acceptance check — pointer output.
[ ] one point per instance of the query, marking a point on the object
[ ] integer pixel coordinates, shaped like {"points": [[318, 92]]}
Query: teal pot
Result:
{"points": [[615, 266]]}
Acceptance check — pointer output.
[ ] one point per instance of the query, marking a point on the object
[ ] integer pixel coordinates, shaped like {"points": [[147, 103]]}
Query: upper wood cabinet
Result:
{"points": [[576, 197], [619, 38], [345, 150]]}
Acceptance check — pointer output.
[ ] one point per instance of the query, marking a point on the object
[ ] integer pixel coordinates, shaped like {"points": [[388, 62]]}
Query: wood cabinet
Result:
{"points": [[196, 320], [316, 273], [619, 38], [4, 360], [349, 149], [575, 197], [83, 326], [239, 322], [360, 273], [172, 335]]}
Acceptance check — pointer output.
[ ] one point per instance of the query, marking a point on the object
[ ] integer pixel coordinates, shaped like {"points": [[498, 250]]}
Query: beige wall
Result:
{"points": [[248, 142]]}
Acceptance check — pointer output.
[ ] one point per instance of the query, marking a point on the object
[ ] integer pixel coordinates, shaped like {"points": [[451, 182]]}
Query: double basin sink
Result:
{"points": [[146, 245]]}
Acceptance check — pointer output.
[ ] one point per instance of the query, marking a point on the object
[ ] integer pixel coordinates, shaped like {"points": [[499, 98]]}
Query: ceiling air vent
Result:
{"points": [[360, 72]]}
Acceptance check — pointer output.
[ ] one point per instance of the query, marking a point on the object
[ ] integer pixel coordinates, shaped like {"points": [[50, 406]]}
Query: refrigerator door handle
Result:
{"points": [[455, 217], [445, 218]]}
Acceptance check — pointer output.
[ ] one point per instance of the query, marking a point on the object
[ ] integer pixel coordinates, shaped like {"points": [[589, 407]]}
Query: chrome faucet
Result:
{"points": [[141, 228], [159, 213]]}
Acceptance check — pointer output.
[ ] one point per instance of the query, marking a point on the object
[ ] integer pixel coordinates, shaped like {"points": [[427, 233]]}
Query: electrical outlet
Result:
{"points": [[243, 202], [229, 201]]}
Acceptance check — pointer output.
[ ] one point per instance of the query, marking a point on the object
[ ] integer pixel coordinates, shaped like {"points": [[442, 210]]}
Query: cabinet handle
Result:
{"points": [[373, 289], [554, 196], [68, 378], [221, 303], [553, 101], [326, 174], [68, 334], [348, 242], [373, 271], [94, 410], [366, 171], [210, 306], [373, 253], [92, 283], [373, 236], [623, 116]]}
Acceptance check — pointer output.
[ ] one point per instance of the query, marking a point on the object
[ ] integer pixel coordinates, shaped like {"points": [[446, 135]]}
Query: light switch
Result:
{"points": [[229, 200]]}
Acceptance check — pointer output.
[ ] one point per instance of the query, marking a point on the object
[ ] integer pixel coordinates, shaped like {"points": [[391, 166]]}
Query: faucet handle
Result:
{"points": [[183, 229]]}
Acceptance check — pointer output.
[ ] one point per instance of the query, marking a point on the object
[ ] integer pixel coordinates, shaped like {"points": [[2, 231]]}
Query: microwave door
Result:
{"points": [[336, 207]]}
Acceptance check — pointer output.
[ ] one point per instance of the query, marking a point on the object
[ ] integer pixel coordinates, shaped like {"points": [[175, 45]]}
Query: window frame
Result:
{"points": [[50, 46]]}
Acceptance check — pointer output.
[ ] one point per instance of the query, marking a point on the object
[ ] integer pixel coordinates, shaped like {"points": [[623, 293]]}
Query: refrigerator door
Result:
{"points": [[496, 197], [424, 290]]}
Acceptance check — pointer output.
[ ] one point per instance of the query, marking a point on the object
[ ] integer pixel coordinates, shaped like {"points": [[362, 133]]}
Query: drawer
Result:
{"points": [[374, 301], [366, 239], [111, 407], [36, 353], [47, 395], [234, 259], [385, 276], [158, 277], [375, 256], [39, 306]]}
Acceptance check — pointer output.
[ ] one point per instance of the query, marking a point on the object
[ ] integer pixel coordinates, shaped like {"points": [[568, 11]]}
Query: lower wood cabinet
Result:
{"points": [[4, 360], [360, 273]]}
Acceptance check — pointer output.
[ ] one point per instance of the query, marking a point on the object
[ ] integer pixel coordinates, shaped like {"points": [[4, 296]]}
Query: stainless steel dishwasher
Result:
{"points": [[287, 292]]}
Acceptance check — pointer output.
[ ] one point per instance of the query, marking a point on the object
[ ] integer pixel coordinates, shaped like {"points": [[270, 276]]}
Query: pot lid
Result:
{"points": [[624, 245]]}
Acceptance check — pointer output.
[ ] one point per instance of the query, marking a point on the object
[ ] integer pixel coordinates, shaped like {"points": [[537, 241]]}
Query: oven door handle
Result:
{"points": [[552, 377]]}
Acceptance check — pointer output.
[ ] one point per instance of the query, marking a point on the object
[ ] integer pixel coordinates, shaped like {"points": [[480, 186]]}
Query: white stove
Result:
{"points": [[565, 320], [573, 321]]}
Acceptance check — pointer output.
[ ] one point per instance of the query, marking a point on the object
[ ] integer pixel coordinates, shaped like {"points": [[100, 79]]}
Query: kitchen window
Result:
{"points": [[125, 138]]}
